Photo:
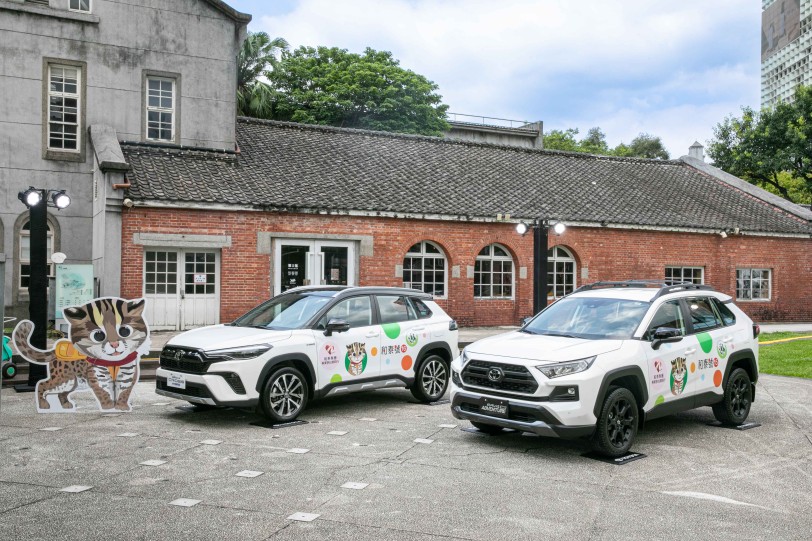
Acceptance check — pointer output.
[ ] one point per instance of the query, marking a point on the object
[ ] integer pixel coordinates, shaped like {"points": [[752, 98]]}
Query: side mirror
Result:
{"points": [[336, 325], [665, 335]]}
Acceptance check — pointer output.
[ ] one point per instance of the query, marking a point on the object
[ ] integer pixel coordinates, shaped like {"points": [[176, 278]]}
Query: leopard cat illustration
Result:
{"points": [[356, 360], [679, 375], [107, 338]]}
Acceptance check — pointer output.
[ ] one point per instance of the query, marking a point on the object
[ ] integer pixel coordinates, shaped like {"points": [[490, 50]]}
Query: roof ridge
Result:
{"points": [[176, 148], [443, 140]]}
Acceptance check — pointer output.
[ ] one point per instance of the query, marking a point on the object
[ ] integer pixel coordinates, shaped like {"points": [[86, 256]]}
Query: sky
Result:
{"points": [[670, 68]]}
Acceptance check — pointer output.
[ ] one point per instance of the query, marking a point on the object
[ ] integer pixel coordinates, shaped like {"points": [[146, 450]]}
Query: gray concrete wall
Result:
{"points": [[117, 42], [529, 136]]}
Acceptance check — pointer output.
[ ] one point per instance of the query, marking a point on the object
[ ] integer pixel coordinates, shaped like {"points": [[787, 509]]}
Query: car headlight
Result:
{"points": [[464, 358], [565, 369], [238, 354]]}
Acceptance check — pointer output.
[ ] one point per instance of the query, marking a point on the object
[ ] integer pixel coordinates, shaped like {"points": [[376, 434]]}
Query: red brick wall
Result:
{"points": [[609, 254]]}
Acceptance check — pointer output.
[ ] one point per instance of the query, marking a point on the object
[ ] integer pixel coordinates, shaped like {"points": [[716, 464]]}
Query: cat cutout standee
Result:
{"points": [[105, 343]]}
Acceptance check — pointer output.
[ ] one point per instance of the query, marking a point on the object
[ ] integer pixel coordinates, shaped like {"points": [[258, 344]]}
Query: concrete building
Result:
{"points": [[77, 77], [786, 47], [497, 131]]}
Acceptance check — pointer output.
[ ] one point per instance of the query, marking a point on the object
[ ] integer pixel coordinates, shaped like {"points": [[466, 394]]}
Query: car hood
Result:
{"points": [[540, 348], [226, 336]]}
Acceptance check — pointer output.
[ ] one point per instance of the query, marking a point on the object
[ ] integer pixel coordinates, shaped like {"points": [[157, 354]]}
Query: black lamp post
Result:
{"points": [[540, 240], [37, 200]]}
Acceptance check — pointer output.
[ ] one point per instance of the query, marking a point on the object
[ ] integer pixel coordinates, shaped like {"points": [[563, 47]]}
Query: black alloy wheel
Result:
{"points": [[735, 406], [617, 423]]}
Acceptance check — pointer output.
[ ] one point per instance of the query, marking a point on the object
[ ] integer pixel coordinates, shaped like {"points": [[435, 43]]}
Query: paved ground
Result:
{"points": [[697, 481]]}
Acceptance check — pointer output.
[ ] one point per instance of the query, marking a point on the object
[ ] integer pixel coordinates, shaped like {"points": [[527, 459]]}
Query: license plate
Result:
{"points": [[176, 381], [494, 408]]}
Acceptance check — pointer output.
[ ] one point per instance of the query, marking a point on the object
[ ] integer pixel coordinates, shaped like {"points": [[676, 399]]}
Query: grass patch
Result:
{"points": [[787, 359], [767, 337]]}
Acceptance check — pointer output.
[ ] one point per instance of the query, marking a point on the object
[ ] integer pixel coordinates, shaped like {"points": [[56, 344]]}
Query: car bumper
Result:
{"points": [[524, 417], [209, 389]]}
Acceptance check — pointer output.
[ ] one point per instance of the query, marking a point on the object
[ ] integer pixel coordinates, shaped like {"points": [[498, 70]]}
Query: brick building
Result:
{"points": [[208, 234]]}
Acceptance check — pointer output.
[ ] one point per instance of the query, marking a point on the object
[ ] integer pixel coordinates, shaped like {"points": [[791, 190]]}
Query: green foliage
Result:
{"points": [[642, 146], [771, 148], [787, 359], [371, 90], [258, 55]]}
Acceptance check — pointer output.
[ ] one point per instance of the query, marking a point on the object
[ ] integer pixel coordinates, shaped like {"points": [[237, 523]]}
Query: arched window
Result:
{"points": [[560, 272], [493, 273], [424, 268], [25, 254]]}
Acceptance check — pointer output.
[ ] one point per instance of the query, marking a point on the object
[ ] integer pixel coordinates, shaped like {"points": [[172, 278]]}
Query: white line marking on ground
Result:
{"points": [[712, 497]]}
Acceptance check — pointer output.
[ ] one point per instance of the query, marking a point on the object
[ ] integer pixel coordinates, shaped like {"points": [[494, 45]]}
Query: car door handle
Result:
{"points": [[689, 351], [372, 334], [419, 329], [727, 340]]}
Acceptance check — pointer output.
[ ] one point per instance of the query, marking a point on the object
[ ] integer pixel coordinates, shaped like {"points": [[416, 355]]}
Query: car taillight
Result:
{"points": [[756, 330], [452, 325]]}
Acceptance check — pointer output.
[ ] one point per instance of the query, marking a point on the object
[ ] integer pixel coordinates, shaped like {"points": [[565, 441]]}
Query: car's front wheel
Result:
{"points": [[617, 423], [284, 395], [735, 406], [431, 379]]}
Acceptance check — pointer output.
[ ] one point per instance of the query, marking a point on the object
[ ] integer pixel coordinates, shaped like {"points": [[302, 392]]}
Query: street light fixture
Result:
{"points": [[37, 200], [540, 241]]}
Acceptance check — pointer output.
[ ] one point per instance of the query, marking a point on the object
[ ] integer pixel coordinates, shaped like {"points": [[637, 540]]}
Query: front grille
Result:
{"points": [[198, 391], [517, 378], [512, 415], [183, 360]]}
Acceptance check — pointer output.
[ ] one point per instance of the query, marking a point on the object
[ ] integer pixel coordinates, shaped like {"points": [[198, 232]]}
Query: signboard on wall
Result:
{"points": [[74, 286], [780, 26]]}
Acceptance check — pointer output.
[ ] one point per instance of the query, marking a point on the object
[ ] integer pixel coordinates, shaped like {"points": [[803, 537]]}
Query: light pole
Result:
{"points": [[540, 240], [38, 200]]}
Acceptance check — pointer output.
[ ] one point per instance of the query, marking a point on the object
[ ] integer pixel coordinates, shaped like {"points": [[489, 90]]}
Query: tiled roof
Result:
{"points": [[299, 167]]}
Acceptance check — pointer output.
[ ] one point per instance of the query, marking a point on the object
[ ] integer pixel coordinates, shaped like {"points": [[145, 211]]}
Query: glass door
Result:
{"points": [[313, 262], [335, 264], [294, 265]]}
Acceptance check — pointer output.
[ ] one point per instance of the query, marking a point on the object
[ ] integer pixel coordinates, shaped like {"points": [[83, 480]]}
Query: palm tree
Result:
{"points": [[257, 55]]}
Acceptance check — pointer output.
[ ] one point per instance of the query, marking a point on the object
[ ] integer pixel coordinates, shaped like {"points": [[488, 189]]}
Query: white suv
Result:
{"points": [[600, 361], [313, 342]]}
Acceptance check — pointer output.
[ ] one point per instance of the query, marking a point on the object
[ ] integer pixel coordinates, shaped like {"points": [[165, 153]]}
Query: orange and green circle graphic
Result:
{"points": [[336, 378], [406, 362], [717, 378]]}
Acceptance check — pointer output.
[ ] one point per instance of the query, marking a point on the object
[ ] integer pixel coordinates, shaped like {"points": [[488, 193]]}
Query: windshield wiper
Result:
{"points": [[528, 331], [561, 334]]}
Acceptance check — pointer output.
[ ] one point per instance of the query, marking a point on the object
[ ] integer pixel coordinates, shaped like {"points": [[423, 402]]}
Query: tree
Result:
{"points": [[595, 142], [771, 148], [643, 146], [258, 55], [371, 90], [562, 140]]}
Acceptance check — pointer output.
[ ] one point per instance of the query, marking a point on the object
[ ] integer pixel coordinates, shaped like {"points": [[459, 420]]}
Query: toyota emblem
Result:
{"points": [[178, 354], [495, 374]]}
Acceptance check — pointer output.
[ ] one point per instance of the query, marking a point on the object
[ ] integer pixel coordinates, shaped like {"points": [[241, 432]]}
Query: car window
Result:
{"points": [[289, 311], [589, 318], [703, 316], [728, 317], [420, 307], [357, 311], [394, 309], [667, 315]]}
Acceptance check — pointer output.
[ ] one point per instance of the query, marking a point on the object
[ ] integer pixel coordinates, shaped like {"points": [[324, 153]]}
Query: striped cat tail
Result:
{"points": [[22, 340]]}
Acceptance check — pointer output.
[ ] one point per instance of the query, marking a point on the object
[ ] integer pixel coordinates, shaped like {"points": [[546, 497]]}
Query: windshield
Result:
{"points": [[284, 312], [589, 318]]}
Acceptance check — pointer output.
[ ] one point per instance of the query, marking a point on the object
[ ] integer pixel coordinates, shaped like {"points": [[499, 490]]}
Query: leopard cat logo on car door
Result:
{"points": [[679, 376], [356, 358]]}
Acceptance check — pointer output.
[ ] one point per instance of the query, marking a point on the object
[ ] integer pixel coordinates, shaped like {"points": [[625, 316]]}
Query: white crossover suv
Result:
{"points": [[312, 342], [600, 361]]}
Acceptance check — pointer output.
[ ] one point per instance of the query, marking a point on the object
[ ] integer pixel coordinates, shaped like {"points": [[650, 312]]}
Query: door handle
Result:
{"points": [[419, 329], [727, 340], [690, 351], [373, 334]]}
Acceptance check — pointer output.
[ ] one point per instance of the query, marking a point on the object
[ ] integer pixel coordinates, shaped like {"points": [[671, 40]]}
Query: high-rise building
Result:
{"points": [[786, 45]]}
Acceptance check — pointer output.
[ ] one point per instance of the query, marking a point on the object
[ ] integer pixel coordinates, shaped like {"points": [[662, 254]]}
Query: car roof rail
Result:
{"points": [[665, 287]]}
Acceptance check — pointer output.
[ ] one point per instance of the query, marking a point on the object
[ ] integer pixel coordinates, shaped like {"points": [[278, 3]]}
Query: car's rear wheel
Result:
{"points": [[431, 379], [617, 423], [487, 429], [285, 395], [735, 406]]}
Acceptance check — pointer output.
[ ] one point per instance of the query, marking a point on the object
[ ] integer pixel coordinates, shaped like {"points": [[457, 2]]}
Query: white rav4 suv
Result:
{"points": [[600, 361], [313, 342]]}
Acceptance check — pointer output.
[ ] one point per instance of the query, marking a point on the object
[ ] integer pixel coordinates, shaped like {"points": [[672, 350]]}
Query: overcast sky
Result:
{"points": [[672, 68]]}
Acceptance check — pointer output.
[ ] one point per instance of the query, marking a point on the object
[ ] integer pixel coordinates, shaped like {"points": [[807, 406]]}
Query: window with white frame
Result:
{"points": [[677, 275], [493, 273], [160, 106], [424, 269], [753, 284], [560, 272], [25, 254], [80, 5], [64, 101]]}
